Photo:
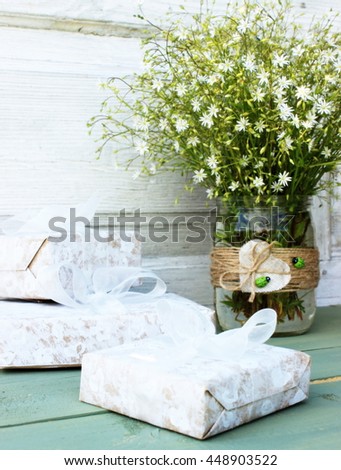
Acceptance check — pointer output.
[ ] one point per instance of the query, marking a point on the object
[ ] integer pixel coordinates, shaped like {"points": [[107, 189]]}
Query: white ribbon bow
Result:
{"points": [[186, 339], [229, 344], [186, 328], [68, 285]]}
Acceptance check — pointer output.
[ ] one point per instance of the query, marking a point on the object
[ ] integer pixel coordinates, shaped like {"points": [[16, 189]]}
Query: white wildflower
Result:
{"points": [[242, 124], [206, 120], [323, 107], [249, 62], [297, 51], [283, 82], [258, 182], [243, 26], [259, 164], [311, 145], [202, 79], [277, 187], [310, 120], [199, 176], [260, 126], [295, 121], [329, 56], [281, 135], [326, 152], [279, 95], [258, 95], [196, 104], [286, 143], [213, 79], [142, 147], [285, 111], [164, 126], [337, 64], [235, 38], [244, 161], [226, 66], [213, 110], [263, 77], [234, 185], [181, 89], [157, 85], [330, 79], [218, 180], [303, 93], [212, 162], [280, 60], [284, 178], [141, 124], [193, 141], [181, 124], [176, 146], [210, 193]]}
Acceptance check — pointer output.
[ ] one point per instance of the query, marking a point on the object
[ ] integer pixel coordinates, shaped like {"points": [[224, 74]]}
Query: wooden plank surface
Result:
{"points": [[40, 395], [39, 409], [314, 424]]}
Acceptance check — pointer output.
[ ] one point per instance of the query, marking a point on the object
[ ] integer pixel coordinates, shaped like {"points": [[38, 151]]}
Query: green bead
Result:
{"points": [[262, 281], [298, 262]]}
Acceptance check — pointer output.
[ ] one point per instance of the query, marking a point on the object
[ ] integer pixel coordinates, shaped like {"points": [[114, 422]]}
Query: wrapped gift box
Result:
{"points": [[21, 258], [199, 397], [44, 334]]}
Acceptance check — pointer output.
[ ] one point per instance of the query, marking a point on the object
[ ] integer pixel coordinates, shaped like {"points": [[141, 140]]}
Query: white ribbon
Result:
{"points": [[68, 285], [179, 345], [233, 343], [188, 331]]}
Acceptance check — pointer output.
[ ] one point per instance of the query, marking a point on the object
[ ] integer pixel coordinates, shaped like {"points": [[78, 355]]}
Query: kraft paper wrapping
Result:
{"points": [[21, 258], [200, 397], [52, 335]]}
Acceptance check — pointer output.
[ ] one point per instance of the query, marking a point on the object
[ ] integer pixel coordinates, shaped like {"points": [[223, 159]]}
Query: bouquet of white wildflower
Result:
{"points": [[247, 102]]}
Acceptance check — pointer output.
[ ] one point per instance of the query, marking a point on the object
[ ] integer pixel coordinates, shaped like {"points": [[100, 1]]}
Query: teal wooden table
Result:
{"points": [[39, 409]]}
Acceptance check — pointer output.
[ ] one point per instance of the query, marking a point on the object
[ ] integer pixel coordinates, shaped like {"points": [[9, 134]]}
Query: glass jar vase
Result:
{"points": [[287, 229]]}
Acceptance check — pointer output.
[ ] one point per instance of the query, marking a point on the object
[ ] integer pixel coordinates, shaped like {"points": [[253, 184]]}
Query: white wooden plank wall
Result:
{"points": [[52, 57]]}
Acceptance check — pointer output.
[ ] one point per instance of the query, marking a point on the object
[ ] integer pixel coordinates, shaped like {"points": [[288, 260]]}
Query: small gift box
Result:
{"points": [[53, 335], [198, 388], [29, 244], [22, 257], [94, 312]]}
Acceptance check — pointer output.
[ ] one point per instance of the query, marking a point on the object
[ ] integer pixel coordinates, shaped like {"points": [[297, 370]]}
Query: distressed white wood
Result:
{"points": [[49, 74], [121, 11], [328, 291]]}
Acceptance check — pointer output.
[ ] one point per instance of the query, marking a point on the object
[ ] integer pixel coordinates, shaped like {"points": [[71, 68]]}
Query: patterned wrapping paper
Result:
{"points": [[199, 397], [21, 258], [44, 334]]}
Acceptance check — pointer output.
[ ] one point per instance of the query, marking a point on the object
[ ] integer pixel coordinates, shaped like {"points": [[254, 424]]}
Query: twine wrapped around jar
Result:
{"points": [[228, 272]]}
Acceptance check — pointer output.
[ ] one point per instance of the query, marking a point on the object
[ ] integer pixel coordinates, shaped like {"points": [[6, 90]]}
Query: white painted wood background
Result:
{"points": [[52, 57]]}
